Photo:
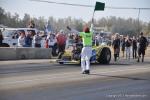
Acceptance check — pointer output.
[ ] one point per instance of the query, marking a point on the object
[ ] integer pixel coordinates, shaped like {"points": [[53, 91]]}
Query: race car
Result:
{"points": [[100, 54]]}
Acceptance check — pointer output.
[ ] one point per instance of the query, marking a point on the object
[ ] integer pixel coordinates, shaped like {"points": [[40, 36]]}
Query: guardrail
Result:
{"points": [[7, 53]]}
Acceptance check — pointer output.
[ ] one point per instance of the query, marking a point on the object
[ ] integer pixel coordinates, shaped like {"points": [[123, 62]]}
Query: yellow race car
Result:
{"points": [[100, 54]]}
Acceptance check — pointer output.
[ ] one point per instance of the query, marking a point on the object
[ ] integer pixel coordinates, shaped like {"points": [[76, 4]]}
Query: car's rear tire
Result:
{"points": [[105, 56]]}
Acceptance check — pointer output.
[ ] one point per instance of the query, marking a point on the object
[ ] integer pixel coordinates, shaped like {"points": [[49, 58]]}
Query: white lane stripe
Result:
{"points": [[63, 75]]}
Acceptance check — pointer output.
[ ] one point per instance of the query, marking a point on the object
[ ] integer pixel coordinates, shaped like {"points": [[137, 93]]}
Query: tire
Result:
{"points": [[105, 56]]}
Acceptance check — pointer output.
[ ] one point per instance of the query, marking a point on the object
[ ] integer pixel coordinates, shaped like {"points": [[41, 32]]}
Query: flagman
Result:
{"points": [[87, 35], [86, 50]]}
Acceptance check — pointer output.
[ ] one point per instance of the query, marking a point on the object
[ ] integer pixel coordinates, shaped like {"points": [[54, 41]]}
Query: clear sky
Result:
{"points": [[36, 9]]}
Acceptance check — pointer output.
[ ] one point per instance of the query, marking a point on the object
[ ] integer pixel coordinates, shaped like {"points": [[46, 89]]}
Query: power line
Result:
{"points": [[63, 3], [127, 8], [71, 4]]}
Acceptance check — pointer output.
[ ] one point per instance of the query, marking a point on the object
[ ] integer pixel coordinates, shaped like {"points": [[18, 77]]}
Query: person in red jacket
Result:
{"points": [[61, 42]]}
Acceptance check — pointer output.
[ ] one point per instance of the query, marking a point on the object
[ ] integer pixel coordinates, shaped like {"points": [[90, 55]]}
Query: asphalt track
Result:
{"points": [[122, 80]]}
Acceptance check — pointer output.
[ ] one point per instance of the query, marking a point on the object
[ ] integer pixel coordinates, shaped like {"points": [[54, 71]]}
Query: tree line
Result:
{"points": [[113, 24]]}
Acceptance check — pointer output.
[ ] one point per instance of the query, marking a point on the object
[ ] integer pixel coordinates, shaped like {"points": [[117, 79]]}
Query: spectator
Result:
{"points": [[134, 47], [96, 39], [86, 52], [78, 39], [128, 47], [1, 38], [28, 40], [37, 40], [143, 43], [116, 46], [51, 42], [61, 42], [123, 46], [21, 40], [46, 43]]}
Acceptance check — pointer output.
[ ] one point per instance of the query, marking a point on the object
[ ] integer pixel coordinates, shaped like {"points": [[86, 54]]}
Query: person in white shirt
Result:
{"points": [[128, 47], [51, 41], [37, 40], [21, 40]]}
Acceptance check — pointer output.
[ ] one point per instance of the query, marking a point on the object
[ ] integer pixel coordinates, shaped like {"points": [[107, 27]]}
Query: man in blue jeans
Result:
{"points": [[28, 40]]}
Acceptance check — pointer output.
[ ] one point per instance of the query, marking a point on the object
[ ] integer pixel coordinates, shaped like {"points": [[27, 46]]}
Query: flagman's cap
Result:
{"points": [[86, 29]]}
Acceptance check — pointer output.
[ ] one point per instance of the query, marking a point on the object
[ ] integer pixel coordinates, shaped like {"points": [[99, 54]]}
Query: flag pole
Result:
{"points": [[93, 17]]}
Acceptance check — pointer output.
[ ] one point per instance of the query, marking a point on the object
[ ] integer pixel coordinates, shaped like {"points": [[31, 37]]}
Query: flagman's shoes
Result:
{"points": [[86, 72], [83, 72]]}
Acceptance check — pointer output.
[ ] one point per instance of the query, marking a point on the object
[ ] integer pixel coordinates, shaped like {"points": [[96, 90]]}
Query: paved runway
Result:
{"points": [[50, 81]]}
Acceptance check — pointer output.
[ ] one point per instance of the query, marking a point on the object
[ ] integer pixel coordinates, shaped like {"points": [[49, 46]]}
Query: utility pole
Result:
{"points": [[139, 20]]}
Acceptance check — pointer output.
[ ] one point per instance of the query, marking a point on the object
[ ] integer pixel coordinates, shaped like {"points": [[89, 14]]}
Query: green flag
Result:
{"points": [[99, 6]]}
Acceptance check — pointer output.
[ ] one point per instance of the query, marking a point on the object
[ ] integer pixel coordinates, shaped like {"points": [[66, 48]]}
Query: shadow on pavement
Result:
{"points": [[122, 77], [111, 64]]}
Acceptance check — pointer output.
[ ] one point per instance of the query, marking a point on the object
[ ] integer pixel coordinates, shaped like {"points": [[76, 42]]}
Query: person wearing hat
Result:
{"points": [[86, 50], [143, 43]]}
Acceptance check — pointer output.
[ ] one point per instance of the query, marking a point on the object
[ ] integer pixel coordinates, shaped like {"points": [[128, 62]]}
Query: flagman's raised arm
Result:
{"points": [[91, 28]]}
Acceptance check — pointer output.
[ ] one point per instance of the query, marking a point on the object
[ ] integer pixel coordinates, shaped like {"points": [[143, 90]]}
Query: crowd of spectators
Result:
{"points": [[131, 47]]}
